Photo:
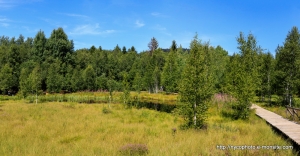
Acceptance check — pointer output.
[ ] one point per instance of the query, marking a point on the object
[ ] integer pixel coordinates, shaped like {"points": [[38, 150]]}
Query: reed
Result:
{"points": [[70, 128]]}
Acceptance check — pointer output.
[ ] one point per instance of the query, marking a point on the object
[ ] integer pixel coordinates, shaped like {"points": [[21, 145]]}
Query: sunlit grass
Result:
{"points": [[60, 128], [97, 97]]}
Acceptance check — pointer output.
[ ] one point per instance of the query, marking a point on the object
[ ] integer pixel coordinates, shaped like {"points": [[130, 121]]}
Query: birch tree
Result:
{"points": [[196, 86]]}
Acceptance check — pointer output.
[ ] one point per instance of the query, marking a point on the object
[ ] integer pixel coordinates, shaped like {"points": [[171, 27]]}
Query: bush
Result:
{"points": [[134, 149], [106, 110]]}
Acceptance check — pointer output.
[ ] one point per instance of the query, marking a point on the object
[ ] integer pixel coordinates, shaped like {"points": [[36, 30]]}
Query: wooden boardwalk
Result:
{"points": [[290, 129]]}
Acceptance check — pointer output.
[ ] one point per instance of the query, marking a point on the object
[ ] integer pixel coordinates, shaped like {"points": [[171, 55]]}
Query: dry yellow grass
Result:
{"points": [[83, 129]]}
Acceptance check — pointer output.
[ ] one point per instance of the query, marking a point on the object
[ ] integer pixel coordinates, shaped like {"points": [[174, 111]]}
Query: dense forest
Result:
{"points": [[40, 64]]}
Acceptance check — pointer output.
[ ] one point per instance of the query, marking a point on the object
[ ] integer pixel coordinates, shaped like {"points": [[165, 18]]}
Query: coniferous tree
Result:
{"points": [[39, 47], [132, 49], [153, 45], [170, 73], [124, 50], [288, 67]]}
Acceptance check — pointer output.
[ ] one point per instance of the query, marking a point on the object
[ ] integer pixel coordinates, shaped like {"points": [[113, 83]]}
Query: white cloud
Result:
{"points": [[139, 24], [159, 27], [12, 3], [4, 22], [162, 29], [89, 29], [6, 4], [50, 21], [76, 16], [2, 19], [157, 14]]}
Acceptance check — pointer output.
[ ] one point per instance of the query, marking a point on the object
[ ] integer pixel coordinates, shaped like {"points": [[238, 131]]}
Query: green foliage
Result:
{"points": [[89, 78], [196, 86], [54, 78], [266, 73], [134, 149], [243, 76], [126, 90], [24, 85], [39, 47], [61, 68], [6, 78], [77, 81], [102, 82], [287, 67], [58, 44], [153, 45], [137, 82], [34, 80], [106, 110], [219, 61], [170, 73]]}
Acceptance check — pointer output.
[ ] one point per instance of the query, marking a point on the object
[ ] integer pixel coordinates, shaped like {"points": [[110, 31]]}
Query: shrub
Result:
{"points": [[106, 110], [134, 149]]}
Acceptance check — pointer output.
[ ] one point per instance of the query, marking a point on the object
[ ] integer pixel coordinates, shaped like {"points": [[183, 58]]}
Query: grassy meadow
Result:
{"points": [[69, 128]]}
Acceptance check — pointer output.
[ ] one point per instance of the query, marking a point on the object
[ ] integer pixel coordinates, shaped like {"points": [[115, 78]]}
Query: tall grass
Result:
{"points": [[98, 97], [69, 128]]}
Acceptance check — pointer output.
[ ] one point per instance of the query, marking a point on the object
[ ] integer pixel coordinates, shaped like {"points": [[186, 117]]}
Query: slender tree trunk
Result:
{"points": [[109, 100], [195, 113], [269, 90]]}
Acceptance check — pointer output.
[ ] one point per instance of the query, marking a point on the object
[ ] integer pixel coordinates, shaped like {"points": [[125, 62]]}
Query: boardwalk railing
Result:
{"points": [[292, 112], [289, 128]]}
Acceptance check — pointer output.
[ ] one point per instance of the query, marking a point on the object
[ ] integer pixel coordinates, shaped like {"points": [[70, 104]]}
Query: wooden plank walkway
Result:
{"points": [[290, 129]]}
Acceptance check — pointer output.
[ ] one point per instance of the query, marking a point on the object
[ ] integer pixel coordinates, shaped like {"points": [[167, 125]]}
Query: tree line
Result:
{"points": [[41, 64], [51, 64]]}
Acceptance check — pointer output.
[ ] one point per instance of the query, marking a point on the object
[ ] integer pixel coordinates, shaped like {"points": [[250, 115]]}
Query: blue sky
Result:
{"points": [[129, 23]]}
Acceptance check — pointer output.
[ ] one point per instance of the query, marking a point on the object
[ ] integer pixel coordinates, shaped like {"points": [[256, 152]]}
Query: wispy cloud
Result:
{"points": [[139, 24], [6, 4], [76, 15], [159, 27], [162, 29], [122, 3], [28, 29], [4, 22], [3, 19], [54, 22], [157, 14], [89, 29]]}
